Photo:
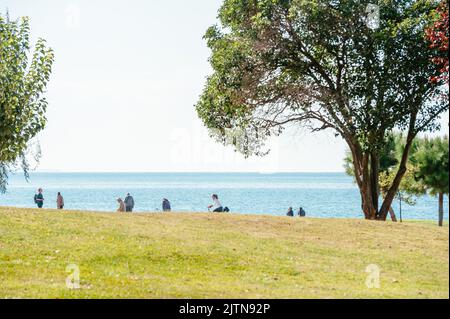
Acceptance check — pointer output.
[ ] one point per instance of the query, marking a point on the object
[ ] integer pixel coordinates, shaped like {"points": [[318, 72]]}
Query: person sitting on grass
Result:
{"points": [[290, 212], [301, 212], [121, 208], [217, 206], [166, 205]]}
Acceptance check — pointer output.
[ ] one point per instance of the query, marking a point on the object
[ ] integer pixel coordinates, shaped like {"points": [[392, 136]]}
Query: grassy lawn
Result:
{"points": [[217, 256]]}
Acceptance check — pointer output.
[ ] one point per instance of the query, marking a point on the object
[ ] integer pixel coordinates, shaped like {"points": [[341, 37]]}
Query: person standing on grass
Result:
{"points": [[166, 205], [129, 203], [59, 201], [39, 198]]}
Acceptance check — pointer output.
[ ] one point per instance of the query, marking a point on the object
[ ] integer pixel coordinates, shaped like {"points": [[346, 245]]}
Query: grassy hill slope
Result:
{"points": [[217, 256]]}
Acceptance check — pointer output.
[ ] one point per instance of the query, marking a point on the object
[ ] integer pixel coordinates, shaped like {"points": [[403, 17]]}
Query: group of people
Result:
{"points": [[301, 212], [39, 199], [127, 204]]}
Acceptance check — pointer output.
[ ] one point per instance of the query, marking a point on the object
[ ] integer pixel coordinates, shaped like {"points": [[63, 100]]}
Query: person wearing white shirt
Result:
{"points": [[217, 205]]}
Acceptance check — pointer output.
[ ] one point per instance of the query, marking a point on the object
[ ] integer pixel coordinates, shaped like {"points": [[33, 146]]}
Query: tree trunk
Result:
{"points": [[387, 203], [368, 192], [392, 214], [369, 211], [441, 209], [364, 178], [374, 180]]}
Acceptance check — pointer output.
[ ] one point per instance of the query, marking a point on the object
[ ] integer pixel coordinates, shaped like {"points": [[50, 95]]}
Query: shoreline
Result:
{"points": [[174, 212], [325, 195]]}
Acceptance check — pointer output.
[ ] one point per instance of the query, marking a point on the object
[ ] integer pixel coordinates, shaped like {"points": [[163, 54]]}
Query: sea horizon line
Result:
{"points": [[184, 172]]}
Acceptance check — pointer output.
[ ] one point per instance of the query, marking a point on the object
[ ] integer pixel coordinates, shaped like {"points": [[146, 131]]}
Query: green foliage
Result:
{"points": [[427, 168], [431, 166], [323, 64], [316, 63], [22, 84], [390, 156], [409, 188]]}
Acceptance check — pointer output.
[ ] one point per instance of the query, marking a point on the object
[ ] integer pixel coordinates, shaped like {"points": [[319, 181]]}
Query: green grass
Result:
{"points": [[217, 256]]}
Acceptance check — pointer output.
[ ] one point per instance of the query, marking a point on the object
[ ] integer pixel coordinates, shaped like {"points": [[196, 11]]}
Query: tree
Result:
{"points": [[437, 35], [431, 169], [408, 190], [22, 84], [409, 187], [324, 64], [390, 157]]}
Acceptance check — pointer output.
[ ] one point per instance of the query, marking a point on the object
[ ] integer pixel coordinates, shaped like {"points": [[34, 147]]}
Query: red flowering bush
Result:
{"points": [[437, 34]]}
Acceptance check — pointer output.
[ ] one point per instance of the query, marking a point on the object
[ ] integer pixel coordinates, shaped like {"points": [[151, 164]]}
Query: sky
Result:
{"points": [[126, 78]]}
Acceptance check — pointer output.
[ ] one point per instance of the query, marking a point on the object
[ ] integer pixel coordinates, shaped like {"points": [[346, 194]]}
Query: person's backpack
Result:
{"points": [[35, 198]]}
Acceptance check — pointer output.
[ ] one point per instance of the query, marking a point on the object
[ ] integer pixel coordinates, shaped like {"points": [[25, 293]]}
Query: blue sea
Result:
{"points": [[320, 194]]}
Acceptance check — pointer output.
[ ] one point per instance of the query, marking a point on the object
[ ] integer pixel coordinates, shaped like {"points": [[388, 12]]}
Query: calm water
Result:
{"points": [[321, 194]]}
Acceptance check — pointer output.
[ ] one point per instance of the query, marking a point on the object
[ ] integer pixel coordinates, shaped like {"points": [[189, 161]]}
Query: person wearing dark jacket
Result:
{"points": [[290, 212], [301, 212], [166, 205], [129, 203]]}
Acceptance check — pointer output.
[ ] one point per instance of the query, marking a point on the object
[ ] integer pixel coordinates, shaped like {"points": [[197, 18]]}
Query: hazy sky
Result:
{"points": [[125, 81]]}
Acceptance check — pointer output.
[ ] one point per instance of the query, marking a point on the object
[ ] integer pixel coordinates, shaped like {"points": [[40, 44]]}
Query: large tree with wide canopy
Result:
{"points": [[350, 66]]}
